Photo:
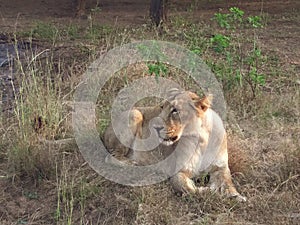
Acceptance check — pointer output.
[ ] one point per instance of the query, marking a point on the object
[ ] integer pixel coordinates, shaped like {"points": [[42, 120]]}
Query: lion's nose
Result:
{"points": [[158, 129]]}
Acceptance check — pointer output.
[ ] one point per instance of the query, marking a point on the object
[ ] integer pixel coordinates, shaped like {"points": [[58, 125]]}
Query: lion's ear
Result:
{"points": [[193, 96], [204, 103]]}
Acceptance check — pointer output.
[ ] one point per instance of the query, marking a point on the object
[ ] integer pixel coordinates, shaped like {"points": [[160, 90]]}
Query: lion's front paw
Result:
{"points": [[239, 198], [119, 162], [200, 190]]}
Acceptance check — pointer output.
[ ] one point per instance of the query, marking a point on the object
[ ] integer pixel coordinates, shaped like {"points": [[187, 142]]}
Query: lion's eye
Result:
{"points": [[174, 111]]}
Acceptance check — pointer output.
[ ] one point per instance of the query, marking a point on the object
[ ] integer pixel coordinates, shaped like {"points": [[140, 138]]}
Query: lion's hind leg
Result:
{"points": [[220, 179], [182, 183], [119, 153]]}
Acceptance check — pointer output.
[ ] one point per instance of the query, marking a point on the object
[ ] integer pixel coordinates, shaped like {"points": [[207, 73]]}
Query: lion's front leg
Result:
{"points": [[127, 133], [182, 183], [220, 179]]}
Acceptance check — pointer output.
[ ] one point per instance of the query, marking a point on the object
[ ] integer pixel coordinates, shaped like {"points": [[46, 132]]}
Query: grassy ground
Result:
{"points": [[45, 180]]}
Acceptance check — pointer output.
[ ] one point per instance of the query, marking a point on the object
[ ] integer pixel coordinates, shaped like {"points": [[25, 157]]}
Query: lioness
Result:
{"points": [[190, 131]]}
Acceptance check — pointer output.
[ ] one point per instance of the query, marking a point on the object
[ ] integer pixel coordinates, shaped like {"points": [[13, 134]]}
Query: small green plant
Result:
{"points": [[96, 8], [237, 67], [73, 31], [222, 20], [196, 50], [257, 78], [236, 71], [96, 32], [255, 21], [31, 195], [45, 31], [236, 19], [220, 42], [22, 221], [158, 69], [254, 61], [236, 14], [230, 20], [152, 51], [195, 38]]}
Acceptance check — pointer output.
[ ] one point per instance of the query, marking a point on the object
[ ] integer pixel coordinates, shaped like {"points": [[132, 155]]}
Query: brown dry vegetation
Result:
{"points": [[48, 182]]}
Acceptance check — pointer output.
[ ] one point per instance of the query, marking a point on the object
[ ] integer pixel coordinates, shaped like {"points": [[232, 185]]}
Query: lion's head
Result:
{"points": [[181, 115]]}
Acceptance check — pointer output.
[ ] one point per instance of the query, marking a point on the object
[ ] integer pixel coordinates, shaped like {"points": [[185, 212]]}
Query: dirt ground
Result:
{"points": [[27, 202], [282, 34]]}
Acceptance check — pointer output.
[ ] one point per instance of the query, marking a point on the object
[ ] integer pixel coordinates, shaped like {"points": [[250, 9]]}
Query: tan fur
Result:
{"points": [[189, 129], [139, 119]]}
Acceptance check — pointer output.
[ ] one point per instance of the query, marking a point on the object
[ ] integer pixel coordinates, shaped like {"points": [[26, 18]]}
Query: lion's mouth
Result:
{"points": [[164, 138], [169, 140]]}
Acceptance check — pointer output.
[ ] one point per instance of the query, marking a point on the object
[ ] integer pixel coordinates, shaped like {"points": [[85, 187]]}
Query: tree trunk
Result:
{"points": [[80, 8], [158, 11]]}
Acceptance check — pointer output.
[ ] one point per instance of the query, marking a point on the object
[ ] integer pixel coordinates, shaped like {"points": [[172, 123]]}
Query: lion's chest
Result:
{"points": [[199, 163], [206, 153]]}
